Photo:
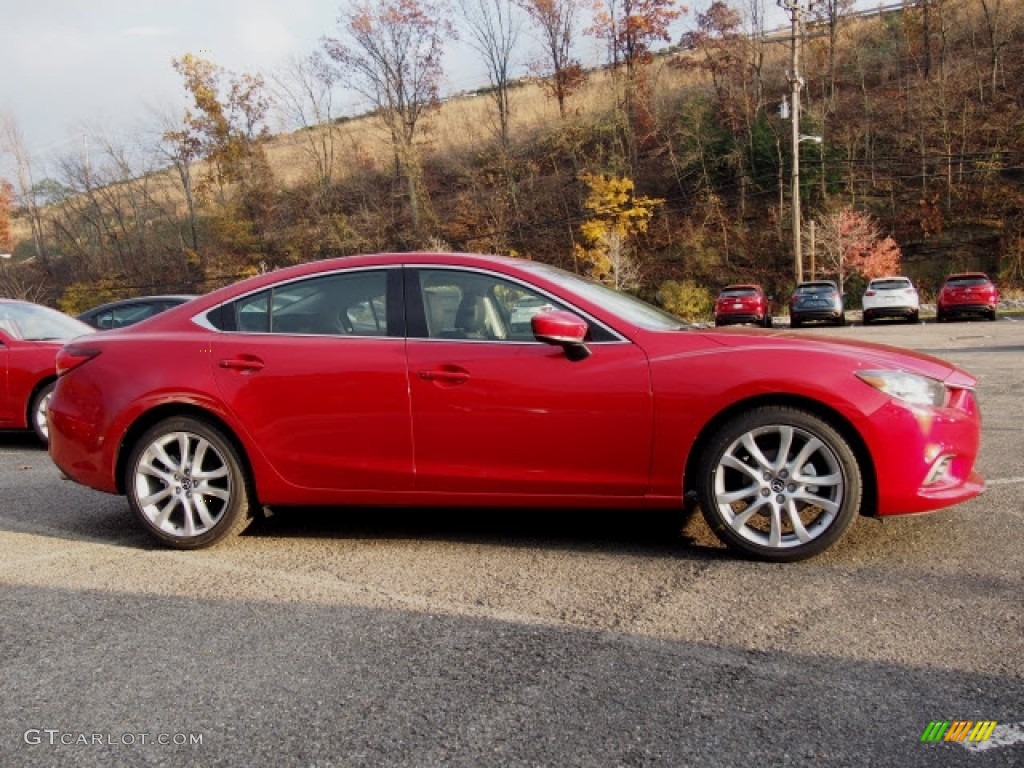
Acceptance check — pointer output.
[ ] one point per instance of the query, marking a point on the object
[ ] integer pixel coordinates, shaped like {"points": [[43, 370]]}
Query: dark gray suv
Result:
{"points": [[816, 300]]}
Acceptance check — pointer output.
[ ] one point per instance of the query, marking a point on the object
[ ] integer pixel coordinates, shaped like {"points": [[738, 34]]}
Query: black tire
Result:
{"points": [[204, 504], [784, 524], [794, 322], [940, 316], [841, 320], [767, 322], [992, 315], [37, 412], [914, 317], [867, 319]]}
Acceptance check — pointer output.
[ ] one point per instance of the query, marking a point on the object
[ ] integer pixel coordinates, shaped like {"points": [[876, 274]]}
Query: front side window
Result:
{"points": [[344, 304], [478, 306]]}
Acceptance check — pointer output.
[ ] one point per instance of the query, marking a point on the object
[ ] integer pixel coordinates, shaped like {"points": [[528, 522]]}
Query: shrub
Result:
{"points": [[686, 299]]}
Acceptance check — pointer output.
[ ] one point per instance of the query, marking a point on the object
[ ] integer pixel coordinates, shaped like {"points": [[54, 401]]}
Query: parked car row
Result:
{"points": [[964, 294]]}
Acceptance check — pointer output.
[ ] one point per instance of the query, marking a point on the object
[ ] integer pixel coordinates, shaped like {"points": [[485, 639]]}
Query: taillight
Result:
{"points": [[869, 293], [73, 355]]}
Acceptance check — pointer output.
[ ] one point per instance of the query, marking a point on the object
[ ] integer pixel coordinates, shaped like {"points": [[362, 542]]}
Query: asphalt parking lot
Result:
{"points": [[395, 637]]}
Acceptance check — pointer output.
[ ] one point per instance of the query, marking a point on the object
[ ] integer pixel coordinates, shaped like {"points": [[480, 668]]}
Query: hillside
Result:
{"points": [[920, 116]]}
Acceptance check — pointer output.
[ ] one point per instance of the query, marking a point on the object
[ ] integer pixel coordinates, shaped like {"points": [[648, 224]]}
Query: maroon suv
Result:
{"points": [[967, 293], [743, 304]]}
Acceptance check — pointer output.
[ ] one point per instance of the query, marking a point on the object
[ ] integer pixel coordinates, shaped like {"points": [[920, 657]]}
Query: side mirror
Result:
{"points": [[563, 329]]}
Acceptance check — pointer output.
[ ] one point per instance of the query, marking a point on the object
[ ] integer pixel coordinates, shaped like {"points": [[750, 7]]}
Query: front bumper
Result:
{"points": [[924, 457]]}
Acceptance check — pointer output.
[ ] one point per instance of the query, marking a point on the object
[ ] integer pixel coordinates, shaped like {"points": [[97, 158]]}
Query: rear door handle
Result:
{"points": [[445, 377], [243, 364]]}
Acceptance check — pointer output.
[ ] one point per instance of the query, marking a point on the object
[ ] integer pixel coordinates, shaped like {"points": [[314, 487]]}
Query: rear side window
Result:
{"points": [[346, 304]]}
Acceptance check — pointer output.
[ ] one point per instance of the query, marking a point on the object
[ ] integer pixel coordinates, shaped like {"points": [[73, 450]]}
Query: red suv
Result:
{"points": [[743, 304], [967, 293]]}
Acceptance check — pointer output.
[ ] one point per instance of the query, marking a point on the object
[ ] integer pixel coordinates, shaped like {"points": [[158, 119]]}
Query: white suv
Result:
{"points": [[890, 297]]}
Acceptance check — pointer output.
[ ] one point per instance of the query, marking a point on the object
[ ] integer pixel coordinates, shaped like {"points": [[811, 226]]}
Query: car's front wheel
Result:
{"points": [[779, 484], [187, 485]]}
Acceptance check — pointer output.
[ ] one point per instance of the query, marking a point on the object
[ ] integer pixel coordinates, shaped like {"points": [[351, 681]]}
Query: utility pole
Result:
{"points": [[797, 9]]}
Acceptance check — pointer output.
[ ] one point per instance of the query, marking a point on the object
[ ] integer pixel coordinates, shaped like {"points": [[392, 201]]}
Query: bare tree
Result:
{"points": [[13, 144], [305, 89], [831, 13], [556, 19], [391, 54], [630, 28], [494, 28], [995, 24]]}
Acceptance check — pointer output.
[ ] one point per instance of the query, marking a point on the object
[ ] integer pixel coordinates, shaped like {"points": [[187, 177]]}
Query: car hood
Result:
{"points": [[865, 355]]}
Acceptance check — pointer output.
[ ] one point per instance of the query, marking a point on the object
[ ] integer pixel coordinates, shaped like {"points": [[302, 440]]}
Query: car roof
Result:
{"points": [[903, 278], [964, 275]]}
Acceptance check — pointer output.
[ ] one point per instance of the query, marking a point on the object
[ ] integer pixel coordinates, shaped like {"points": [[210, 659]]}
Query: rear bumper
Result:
{"points": [[893, 311], [736, 319]]}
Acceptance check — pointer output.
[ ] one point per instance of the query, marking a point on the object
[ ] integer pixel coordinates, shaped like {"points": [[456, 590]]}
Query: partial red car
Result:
{"points": [[401, 379], [30, 337], [967, 294], [743, 304]]}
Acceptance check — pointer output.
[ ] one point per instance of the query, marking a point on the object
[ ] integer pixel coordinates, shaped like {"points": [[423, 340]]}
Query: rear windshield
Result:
{"points": [[890, 285], [968, 280], [734, 293], [816, 288]]}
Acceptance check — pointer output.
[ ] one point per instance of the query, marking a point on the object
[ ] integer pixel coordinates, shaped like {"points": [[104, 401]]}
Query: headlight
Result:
{"points": [[908, 387]]}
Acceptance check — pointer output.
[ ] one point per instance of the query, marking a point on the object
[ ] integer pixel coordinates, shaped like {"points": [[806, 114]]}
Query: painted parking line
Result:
{"points": [[1005, 481], [1004, 735]]}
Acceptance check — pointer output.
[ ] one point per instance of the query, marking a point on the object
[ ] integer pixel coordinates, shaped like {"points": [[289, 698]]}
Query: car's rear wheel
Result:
{"points": [[37, 412], [767, 322], [779, 484], [913, 317], [992, 315], [187, 485], [794, 322]]}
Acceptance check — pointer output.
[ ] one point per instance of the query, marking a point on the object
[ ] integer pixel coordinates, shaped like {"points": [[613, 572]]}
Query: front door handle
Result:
{"points": [[244, 364]]}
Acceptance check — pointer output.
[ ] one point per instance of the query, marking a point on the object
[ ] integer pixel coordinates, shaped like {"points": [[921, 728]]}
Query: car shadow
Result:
{"points": [[668, 533]]}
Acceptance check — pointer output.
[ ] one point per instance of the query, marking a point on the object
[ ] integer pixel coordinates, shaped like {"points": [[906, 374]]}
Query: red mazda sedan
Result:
{"points": [[30, 337], [402, 379]]}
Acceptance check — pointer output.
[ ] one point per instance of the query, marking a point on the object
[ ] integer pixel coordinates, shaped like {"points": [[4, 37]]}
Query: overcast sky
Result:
{"points": [[74, 67]]}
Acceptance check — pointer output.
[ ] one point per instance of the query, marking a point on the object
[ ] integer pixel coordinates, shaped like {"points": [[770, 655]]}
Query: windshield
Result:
{"points": [[32, 322], [622, 305]]}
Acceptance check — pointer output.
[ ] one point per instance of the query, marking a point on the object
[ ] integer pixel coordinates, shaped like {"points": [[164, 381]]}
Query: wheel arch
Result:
{"points": [[826, 413], [170, 410]]}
